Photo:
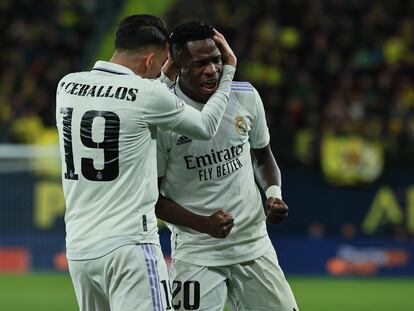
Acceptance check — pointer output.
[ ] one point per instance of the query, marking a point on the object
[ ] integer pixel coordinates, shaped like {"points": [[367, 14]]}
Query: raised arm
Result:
{"points": [[207, 123], [203, 125]]}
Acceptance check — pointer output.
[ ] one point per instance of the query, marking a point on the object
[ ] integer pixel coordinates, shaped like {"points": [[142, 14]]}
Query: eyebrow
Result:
{"points": [[206, 58]]}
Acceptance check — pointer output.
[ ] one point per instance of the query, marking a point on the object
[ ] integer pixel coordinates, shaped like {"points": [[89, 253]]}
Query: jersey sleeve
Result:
{"points": [[167, 111], [163, 108], [259, 136]]}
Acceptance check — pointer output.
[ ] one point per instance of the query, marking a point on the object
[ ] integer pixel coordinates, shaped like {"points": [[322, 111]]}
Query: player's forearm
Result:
{"points": [[266, 170], [174, 213], [168, 72], [204, 125]]}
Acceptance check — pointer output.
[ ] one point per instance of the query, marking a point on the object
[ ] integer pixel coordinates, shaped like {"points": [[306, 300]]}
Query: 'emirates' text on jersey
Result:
{"points": [[207, 176], [107, 121]]}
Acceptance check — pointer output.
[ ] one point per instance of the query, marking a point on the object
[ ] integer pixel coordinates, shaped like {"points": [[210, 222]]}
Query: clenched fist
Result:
{"points": [[276, 210], [219, 224]]}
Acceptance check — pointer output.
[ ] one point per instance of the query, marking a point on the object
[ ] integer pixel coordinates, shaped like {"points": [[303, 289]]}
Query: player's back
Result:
{"points": [[108, 168]]}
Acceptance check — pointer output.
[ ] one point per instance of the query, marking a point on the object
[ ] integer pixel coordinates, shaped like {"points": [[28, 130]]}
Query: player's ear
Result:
{"points": [[143, 63], [148, 59]]}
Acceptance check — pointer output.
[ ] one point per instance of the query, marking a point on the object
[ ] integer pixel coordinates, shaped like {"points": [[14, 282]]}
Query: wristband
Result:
{"points": [[274, 192]]}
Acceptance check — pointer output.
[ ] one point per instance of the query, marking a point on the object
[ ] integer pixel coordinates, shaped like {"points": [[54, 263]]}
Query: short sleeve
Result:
{"points": [[259, 136], [163, 108]]}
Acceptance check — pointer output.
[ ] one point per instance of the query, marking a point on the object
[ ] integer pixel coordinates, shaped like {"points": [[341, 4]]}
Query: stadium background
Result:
{"points": [[335, 77]]}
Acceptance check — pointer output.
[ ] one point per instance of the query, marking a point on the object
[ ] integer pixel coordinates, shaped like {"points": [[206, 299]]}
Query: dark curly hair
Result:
{"points": [[188, 31]]}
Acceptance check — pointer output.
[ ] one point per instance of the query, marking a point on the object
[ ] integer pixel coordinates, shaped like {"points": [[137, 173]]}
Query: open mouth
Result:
{"points": [[209, 86]]}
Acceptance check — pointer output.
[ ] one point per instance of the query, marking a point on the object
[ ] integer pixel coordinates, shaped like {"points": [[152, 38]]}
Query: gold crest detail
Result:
{"points": [[241, 125]]}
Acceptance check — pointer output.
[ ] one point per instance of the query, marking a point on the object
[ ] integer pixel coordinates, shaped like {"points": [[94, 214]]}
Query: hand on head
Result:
{"points": [[170, 68], [227, 54]]}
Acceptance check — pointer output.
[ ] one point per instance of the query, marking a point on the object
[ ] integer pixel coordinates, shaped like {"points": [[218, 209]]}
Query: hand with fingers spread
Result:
{"points": [[276, 210], [219, 224], [227, 54]]}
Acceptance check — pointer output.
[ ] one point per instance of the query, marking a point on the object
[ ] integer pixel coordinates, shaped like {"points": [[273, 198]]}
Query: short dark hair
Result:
{"points": [[188, 31], [141, 30]]}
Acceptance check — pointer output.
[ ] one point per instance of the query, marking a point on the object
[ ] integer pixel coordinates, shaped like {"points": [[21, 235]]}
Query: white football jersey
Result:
{"points": [[107, 120], [205, 176]]}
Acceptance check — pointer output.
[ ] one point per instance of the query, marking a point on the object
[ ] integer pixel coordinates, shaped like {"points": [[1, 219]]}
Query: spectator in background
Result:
{"points": [[337, 67], [41, 43], [306, 58]]}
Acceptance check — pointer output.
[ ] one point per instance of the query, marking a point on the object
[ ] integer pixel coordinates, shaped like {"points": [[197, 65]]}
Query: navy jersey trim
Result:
{"points": [[110, 71]]}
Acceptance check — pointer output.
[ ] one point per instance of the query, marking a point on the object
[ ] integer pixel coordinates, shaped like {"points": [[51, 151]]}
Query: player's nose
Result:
{"points": [[210, 69]]}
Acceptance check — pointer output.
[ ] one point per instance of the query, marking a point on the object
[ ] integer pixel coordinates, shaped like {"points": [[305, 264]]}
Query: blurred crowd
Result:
{"points": [[324, 68], [337, 68], [41, 41]]}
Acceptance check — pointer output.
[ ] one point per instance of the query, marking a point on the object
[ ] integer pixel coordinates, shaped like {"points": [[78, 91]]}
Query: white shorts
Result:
{"points": [[132, 277], [257, 285]]}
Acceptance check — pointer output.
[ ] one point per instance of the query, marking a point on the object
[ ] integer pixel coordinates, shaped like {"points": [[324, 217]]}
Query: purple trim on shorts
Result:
{"points": [[157, 276], [154, 295]]}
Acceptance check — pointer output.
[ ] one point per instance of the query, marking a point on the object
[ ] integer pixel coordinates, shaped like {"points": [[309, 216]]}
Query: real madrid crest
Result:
{"points": [[179, 103], [241, 125]]}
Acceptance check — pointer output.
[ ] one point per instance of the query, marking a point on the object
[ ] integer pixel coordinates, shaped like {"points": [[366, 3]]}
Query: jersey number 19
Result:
{"points": [[110, 145]]}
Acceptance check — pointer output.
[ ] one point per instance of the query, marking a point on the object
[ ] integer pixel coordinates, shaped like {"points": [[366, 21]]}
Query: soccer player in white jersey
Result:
{"points": [[208, 187], [107, 120]]}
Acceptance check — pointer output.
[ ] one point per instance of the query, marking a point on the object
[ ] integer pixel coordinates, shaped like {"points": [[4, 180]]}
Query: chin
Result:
{"points": [[206, 95]]}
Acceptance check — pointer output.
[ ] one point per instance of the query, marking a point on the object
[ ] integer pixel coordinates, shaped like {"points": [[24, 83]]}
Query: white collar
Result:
{"points": [[112, 68], [185, 98]]}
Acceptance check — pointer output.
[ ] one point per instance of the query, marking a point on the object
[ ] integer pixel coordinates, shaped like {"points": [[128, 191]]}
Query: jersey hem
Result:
{"points": [[94, 254], [206, 262]]}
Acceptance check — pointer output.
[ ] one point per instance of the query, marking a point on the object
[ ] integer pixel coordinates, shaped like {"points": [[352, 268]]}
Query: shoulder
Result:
{"points": [[133, 80], [156, 86], [244, 92], [151, 90], [73, 76], [69, 80], [241, 87]]}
